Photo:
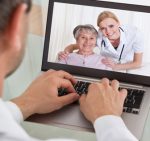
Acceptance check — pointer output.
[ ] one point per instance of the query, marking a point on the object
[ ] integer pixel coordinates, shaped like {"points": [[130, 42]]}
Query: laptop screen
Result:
{"points": [[103, 39]]}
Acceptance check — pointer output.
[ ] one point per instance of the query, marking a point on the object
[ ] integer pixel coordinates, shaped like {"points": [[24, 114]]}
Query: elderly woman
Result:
{"points": [[86, 36]]}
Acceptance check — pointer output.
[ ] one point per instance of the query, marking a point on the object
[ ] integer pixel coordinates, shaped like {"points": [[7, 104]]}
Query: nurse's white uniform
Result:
{"points": [[131, 39]]}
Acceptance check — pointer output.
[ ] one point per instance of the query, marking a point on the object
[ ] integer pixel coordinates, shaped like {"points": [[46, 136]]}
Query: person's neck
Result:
{"points": [[1, 84], [2, 75], [85, 53], [115, 42]]}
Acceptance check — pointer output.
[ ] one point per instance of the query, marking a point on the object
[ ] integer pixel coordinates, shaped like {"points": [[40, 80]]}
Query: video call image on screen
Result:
{"points": [[97, 51]]}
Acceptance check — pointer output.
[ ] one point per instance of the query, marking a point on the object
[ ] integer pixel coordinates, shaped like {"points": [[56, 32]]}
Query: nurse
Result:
{"points": [[122, 46]]}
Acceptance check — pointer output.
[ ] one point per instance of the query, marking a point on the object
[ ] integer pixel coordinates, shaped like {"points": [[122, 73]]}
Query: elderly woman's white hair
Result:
{"points": [[87, 27]]}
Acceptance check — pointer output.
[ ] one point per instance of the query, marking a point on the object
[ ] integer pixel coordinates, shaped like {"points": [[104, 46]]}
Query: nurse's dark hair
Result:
{"points": [[7, 7]]}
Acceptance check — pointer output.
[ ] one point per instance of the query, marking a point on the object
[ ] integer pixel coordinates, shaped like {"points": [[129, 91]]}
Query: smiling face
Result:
{"points": [[86, 42], [110, 28]]}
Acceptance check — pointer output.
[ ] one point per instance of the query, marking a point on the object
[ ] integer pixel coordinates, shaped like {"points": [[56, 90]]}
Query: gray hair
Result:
{"points": [[87, 27]]}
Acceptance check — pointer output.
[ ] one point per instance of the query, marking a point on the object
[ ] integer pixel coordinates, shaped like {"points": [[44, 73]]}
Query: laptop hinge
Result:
{"points": [[122, 84]]}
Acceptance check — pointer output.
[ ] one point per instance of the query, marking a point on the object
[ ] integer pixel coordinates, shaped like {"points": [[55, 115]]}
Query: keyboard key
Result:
{"points": [[129, 110], [132, 101]]}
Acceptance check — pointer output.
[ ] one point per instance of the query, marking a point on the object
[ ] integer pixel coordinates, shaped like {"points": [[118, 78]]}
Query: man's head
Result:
{"points": [[13, 30]]}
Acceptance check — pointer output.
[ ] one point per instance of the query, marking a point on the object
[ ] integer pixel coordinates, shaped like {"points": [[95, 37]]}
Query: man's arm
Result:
{"points": [[15, 111], [112, 128], [103, 107], [42, 95]]}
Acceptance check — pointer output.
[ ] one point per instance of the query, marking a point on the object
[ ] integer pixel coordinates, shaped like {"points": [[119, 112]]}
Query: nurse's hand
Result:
{"points": [[109, 62], [103, 98], [42, 95]]}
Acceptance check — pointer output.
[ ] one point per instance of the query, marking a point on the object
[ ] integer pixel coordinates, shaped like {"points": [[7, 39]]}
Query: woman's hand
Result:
{"points": [[109, 62], [63, 55]]}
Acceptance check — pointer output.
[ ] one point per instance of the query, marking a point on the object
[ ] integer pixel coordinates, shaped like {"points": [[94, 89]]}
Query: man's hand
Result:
{"points": [[102, 99], [42, 95]]}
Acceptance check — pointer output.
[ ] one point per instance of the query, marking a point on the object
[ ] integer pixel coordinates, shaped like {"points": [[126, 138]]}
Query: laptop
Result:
{"points": [[63, 16]]}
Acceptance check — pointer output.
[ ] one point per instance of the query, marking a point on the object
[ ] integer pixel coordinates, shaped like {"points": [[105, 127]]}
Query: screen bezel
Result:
{"points": [[90, 72]]}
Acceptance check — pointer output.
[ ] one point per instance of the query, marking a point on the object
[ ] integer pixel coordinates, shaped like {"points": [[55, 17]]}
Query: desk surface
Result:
{"points": [[42, 131]]}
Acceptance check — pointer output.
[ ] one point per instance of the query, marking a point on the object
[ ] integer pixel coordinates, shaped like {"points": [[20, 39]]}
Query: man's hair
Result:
{"points": [[7, 8]]}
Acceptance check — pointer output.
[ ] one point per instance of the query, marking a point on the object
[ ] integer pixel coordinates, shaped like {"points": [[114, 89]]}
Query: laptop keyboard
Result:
{"points": [[132, 102]]}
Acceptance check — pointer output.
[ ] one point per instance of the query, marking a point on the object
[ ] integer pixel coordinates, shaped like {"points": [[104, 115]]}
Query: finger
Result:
{"points": [[93, 86], [104, 61], [65, 56], [45, 74], [82, 99], [66, 53], [94, 89], [123, 93], [61, 55], [49, 72], [66, 75], [82, 102], [108, 65], [68, 99], [105, 81], [64, 83], [115, 84]]}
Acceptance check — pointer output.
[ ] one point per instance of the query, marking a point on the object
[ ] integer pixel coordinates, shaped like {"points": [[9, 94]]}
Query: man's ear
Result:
{"points": [[15, 27]]}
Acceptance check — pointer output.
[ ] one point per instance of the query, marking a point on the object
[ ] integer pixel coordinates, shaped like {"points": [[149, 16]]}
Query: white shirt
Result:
{"points": [[130, 38], [105, 127]]}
